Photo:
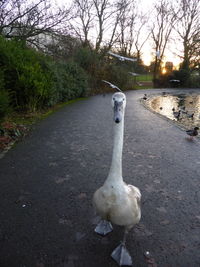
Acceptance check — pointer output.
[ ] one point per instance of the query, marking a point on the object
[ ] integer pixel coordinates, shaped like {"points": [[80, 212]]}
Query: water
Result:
{"points": [[184, 109]]}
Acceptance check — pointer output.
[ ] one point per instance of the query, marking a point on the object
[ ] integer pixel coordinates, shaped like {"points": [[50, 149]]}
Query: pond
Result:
{"points": [[182, 108]]}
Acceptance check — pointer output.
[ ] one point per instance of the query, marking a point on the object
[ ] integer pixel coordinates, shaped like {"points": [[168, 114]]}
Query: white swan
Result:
{"points": [[116, 202]]}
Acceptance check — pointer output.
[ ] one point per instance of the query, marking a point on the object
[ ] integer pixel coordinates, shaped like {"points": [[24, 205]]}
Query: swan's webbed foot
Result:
{"points": [[122, 256], [103, 227]]}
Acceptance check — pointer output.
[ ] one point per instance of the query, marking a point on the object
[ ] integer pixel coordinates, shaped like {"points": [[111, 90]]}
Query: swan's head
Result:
{"points": [[118, 104]]}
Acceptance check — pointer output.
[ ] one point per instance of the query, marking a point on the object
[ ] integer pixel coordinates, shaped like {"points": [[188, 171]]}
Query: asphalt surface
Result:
{"points": [[47, 182]]}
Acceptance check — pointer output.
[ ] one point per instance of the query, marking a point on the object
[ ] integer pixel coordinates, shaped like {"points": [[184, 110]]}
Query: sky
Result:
{"points": [[147, 51]]}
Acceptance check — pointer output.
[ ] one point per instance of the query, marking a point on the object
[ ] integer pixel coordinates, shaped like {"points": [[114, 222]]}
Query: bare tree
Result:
{"points": [[188, 29], [24, 19], [108, 16], [141, 34], [132, 30], [161, 30], [126, 22], [125, 32], [195, 54], [92, 18], [103, 14], [83, 20], [116, 16]]}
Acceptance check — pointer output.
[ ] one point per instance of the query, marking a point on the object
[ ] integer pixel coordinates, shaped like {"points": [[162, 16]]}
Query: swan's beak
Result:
{"points": [[118, 109]]}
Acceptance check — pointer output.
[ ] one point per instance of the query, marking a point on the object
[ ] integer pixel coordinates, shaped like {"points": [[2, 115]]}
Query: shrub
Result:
{"points": [[87, 59], [195, 81], [119, 76], [26, 75], [36, 81], [92, 63], [182, 75], [4, 104], [70, 80]]}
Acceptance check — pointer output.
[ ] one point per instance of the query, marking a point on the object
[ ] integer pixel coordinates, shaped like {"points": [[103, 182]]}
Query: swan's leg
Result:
{"points": [[121, 254], [103, 227]]}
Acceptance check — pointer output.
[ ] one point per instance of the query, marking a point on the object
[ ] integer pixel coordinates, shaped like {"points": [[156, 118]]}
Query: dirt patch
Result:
{"points": [[10, 133]]}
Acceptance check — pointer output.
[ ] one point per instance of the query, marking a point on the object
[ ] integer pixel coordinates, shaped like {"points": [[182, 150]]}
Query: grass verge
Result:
{"points": [[17, 125]]}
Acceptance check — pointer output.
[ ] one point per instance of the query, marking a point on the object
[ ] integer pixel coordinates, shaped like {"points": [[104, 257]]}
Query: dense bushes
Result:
{"points": [[70, 81], [100, 66], [93, 64], [4, 98], [179, 78], [120, 76], [183, 76], [23, 75], [4, 104], [30, 80], [195, 80]]}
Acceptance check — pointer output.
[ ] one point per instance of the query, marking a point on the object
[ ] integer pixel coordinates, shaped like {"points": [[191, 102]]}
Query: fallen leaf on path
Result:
{"points": [[82, 195]]}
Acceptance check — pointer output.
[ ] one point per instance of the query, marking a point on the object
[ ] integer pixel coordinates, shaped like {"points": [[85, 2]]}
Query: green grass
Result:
{"points": [[144, 77]]}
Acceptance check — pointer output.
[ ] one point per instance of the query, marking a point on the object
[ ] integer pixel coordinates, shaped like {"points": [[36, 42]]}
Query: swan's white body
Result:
{"points": [[119, 204], [116, 201]]}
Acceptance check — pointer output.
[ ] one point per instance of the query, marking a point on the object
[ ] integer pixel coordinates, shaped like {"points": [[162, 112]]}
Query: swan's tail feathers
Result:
{"points": [[122, 256], [103, 228]]}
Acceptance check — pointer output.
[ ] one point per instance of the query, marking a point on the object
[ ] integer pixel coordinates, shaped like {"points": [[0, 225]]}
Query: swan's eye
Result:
{"points": [[123, 99], [113, 98]]}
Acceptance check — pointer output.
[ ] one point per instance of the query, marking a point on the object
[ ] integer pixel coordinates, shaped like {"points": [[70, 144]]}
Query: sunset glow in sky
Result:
{"points": [[147, 51]]}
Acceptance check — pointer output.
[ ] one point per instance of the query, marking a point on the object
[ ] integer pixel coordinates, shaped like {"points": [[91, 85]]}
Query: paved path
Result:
{"points": [[47, 182]]}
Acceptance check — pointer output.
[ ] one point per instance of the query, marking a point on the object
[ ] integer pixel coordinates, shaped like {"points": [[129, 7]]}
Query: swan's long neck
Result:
{"points": [[115, 173]]}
